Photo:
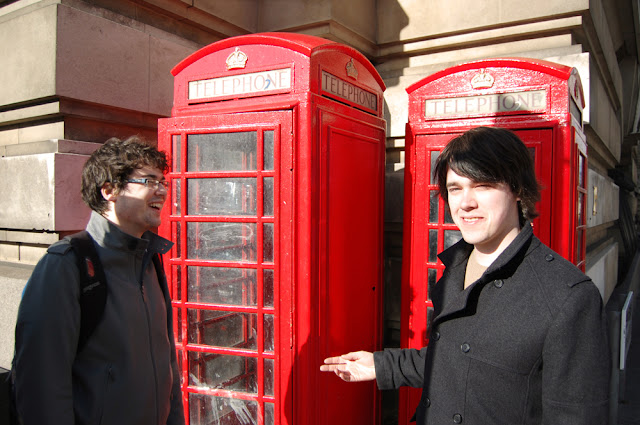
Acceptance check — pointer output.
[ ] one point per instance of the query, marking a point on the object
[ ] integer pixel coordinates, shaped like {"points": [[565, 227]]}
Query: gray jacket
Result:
{"points": [[127, 371], [525, 344]]}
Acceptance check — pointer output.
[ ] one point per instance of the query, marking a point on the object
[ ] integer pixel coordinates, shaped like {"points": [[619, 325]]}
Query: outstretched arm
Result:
{"points": [[356, 366]]}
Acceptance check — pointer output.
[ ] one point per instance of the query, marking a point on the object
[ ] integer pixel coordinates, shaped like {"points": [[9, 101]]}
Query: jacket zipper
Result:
{"points": [[153, 359], [107, 381]]}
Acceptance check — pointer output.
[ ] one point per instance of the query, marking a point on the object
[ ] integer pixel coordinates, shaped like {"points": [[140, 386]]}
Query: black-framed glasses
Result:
{"points": [[152, 184]]}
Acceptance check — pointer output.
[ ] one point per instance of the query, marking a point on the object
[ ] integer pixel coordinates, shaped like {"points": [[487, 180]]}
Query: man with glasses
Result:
{"points": [[126, 371]]}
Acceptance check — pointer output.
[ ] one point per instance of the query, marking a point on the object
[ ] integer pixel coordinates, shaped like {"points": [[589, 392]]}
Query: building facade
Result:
{"points": [[74, 73]]}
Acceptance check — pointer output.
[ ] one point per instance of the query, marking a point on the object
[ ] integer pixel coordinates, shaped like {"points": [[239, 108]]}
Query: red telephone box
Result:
{"points": [[540, 101], [277, 146]]}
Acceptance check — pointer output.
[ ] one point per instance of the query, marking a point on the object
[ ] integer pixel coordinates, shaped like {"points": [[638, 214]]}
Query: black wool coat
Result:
{"points": [[525, 344]]}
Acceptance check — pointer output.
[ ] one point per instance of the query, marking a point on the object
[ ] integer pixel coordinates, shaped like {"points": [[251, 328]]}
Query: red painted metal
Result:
{"points": [[485, 93], [306, 268]]}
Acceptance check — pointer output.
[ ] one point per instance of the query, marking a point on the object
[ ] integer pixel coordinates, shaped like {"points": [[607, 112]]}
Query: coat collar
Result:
{"points": [[454, 298], [107, 234], [459, 253]]}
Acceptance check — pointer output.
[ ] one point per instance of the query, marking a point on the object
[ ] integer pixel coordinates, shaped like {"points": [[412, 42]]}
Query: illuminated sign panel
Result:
{"points": [[251, 84], [342, 89], [531, 101]]}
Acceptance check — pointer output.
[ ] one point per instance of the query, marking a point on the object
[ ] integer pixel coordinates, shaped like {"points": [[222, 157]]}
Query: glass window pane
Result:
{"points": [[433, 245], [268, 414], [434, 157], [217, 371], [222, 241], [268, 150], [175, 196], [434, 196], [447, 216], [176, 283], [268, 242], [177, 318], [176, 151], [225, 196], [268, 376], [451, 237], [222, 328], [208, 409], [175, 231], [223, 285], [578, 254], [180, 367], [268, 196], [580, 208], [222, 151], [581, 167], [267, 288], [268, 332], [432, 278]]}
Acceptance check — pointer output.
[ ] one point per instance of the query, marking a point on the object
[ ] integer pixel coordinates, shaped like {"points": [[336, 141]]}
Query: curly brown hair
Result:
{"points": [[113, 163], [492, 155]]}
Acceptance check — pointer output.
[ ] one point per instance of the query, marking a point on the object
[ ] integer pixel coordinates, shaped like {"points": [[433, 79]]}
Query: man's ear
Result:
{"points": [[109, 192]]}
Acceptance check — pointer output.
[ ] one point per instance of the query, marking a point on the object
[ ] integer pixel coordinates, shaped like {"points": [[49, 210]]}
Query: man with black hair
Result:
{"points": [[519, 334], [126, 371]]}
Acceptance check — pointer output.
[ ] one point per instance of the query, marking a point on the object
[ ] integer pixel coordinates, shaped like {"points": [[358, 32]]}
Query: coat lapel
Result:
{"points": [[449, 293]]}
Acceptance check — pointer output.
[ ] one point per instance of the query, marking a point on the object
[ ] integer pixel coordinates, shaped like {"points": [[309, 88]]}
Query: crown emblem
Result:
{"points": [[352, 71], [482, 80], [237, 59]]}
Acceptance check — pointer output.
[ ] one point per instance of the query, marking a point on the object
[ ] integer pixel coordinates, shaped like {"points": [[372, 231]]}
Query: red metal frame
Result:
{"points": [[252, 314], [553, 132]]}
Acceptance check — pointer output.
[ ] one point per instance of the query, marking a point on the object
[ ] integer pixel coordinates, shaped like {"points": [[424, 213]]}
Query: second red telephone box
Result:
{"points": [[277, 147], [542, 103]]}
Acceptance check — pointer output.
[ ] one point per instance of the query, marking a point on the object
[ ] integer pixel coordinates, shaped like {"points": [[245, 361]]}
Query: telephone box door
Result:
{"points": [[230, 284]]}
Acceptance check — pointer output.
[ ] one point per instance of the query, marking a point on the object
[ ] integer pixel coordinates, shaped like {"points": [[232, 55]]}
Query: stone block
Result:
{"points": [[603, 117], [283, 14], [104, 62], [12, 281], [28, 52], [243, 13], [34, 238], [43, 192], [9, 137], [9, 252], [410, 19], [164, 56], [603, 269], [602, 199], [31, 254], [36, 133]]}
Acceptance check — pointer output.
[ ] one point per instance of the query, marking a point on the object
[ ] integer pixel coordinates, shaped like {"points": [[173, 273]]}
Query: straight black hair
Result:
{"points": [[492, 155]]}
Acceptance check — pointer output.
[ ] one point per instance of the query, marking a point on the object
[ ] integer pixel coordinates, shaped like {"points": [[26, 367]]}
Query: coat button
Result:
{"points": [[457, 418], [427, 402], [435, 336], [549, 257], [465, 348], [498, 283]]}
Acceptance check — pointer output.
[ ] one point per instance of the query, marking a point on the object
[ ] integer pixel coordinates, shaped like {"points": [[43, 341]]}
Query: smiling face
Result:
{"points": [[136, 208], [486, 213]]}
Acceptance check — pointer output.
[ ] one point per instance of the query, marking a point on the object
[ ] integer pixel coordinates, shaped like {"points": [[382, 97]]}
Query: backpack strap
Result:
{"points": [[93, 284]]}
